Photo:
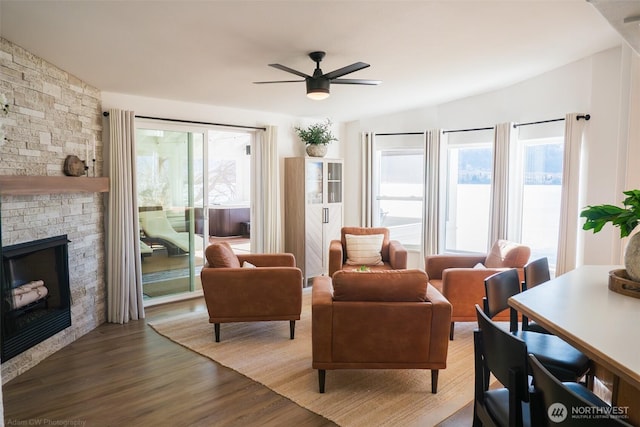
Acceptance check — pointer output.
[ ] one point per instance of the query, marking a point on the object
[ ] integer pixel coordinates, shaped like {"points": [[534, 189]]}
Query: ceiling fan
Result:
{"points": [[318, 84]]}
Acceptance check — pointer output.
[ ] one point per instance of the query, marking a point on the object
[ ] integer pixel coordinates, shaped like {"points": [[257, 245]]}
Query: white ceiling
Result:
{"points": [[210, 52]]}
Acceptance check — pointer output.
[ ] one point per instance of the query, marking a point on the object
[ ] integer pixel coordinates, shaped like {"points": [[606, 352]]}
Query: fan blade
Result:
{"points": [[289, 70], [278, 81], [346, 70], [355, 82]]}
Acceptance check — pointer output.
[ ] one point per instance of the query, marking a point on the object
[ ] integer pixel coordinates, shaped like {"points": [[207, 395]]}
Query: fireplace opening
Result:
{"points": [[35, 296]]}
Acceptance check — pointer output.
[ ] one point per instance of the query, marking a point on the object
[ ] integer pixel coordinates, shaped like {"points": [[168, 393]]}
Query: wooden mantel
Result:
{"points": [[16, 185]]}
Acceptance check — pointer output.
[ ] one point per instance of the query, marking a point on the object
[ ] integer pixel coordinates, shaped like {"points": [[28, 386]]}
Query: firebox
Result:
{"points": [[35, 294]]}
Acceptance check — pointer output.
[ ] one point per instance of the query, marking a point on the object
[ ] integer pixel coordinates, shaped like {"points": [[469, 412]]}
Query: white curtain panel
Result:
{"points": [[572, 198], [366, 201], [124, 277], [266, 227], [431, 197], [499, 183]]}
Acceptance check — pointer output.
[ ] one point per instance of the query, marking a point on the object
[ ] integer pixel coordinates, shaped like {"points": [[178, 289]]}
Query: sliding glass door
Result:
{"points": [[194, 188], [169, 198]]}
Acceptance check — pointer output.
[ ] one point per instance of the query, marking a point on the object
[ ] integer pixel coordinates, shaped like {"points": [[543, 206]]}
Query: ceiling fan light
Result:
{"points": [[317, 89], [318, 94]]}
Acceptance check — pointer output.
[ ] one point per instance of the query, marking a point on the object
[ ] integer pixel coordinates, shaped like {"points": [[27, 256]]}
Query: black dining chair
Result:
{"points": [[504, 355], [564, 361], [556, 402], [535, 273]]}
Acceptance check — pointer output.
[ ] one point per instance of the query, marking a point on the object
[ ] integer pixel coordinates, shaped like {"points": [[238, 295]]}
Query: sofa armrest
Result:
{"points": [[336, 256], [269, 260], [440, 324], [434, 265], [397, 255], [321, 319]]}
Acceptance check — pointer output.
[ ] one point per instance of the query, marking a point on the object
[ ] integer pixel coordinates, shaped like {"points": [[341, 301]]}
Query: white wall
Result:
{"points": [[598, 85]]}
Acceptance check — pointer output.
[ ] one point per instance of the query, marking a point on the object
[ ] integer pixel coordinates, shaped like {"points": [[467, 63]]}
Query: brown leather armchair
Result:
{"points": [[456, 278], [394, 255], [268, 288], [379, 320]]}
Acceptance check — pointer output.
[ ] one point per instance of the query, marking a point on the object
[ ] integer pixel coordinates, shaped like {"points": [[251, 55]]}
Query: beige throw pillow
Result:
{"points": [[364, 249], [506, 254]]}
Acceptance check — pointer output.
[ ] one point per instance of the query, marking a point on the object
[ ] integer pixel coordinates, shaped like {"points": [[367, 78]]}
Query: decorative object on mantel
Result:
{"points": [[626, 219], [317, 136], [73, 166]]}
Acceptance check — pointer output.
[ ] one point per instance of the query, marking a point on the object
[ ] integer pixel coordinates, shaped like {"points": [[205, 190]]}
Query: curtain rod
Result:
{"points": [[466, 130], [193, 122], [398, 133], [579, 117], [515, 125]]}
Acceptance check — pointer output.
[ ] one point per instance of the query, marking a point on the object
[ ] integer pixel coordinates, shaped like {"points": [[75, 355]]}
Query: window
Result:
{"points": [[467, 191], [534, 208], [398, 176]]}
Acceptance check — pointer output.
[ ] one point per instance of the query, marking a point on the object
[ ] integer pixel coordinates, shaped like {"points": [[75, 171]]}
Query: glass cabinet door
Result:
{"points": [[334, 182], [315, 190]]}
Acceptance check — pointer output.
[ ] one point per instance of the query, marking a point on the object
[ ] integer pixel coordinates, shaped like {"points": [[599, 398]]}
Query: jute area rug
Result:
{"points": [[263, 352]]}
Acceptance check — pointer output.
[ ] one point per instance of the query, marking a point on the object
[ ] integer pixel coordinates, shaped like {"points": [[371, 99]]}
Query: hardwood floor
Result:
{"points": [[128, 375]]}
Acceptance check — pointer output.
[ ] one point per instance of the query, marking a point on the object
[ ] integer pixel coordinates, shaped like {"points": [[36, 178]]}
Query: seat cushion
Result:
{"points": [[365, 249], [220, 255], [387, 285], [505, 254], [561, 359], [497, 405]]}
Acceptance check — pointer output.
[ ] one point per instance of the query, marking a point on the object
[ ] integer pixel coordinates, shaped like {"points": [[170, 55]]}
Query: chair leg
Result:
{"points": [[434, 381], [292, 328], [451, 328], [321, 377], [216, 329]]}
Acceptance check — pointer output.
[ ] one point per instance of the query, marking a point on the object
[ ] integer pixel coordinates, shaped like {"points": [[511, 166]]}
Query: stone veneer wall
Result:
{"points": [[53, 114]]}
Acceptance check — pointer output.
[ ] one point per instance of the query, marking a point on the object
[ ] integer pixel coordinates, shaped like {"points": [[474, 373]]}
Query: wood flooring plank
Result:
{"points": [[128, 375]]}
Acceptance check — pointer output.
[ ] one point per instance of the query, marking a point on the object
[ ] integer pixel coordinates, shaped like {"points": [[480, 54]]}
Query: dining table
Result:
{"points": [[579, 307]]}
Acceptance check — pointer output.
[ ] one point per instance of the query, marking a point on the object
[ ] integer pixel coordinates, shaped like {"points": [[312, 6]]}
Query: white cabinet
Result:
{"points": [[313, 211]]}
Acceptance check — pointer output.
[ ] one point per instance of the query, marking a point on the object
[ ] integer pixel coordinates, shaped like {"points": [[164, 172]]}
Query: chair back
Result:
{"points": [[536, 272], [505, 356], [553, 401], [498, 288]]}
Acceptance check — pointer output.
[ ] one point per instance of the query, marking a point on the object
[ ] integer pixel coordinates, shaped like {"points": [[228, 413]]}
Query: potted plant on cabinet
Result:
{"points": [[316, 137], [626, 218]]}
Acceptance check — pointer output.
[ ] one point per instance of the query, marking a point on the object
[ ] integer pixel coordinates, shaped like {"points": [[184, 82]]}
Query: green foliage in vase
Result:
{"points": [[626, 218], [317, 133]]}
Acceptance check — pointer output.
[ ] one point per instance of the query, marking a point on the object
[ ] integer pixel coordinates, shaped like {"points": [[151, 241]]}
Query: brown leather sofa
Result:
{"points": [[269, 289], [460, 278], [394, 255], [379, 320]]}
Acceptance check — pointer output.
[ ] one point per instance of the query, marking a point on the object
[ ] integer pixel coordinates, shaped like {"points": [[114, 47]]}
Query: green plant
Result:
{"points": [[626, 218], [317, 133]]}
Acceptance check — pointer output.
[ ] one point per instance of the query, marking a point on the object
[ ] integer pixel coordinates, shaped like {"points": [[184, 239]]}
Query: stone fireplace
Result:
{"points": [[35, 293], [52, 114]]}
